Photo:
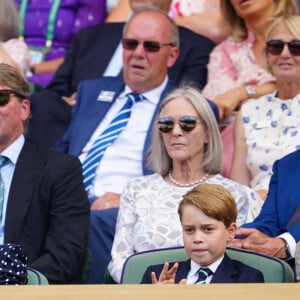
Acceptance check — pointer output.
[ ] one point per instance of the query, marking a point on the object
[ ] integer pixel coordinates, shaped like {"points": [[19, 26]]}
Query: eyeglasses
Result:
{"points": [[186, 123], [275, 47], [150, 46], [5, 96]]}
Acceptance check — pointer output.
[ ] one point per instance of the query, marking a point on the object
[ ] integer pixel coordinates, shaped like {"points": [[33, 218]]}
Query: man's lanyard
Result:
{"points": [[51, 21]]}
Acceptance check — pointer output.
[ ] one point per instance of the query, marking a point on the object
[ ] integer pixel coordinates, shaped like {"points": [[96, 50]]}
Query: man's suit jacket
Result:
{"points": [[48, 213], [87, 58], [229, 271], [282, 199], [89, 112]]}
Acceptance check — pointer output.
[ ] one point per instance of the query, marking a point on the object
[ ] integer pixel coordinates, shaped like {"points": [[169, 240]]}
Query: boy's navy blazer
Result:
{"points": [[229, 271]]}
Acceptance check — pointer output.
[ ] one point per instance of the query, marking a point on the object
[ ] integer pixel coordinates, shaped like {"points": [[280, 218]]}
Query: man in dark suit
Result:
{"points": [[207, 215], [44, 207], [95, 51], [276, 230]]}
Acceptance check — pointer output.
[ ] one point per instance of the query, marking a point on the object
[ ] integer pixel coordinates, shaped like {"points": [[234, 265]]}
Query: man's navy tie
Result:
{"points": [[107, 137], [203, 273]]}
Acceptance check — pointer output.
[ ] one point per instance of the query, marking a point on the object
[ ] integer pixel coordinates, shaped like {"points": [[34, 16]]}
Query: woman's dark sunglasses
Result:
{"points": [[5, 96], [275, 47], [149, 46], [186, 123]]}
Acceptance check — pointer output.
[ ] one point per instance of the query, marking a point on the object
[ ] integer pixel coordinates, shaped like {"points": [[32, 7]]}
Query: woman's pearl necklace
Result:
{"points": [[187, 184]]}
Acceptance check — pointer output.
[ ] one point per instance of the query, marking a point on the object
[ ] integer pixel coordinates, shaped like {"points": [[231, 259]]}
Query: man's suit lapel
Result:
{"points": [[21, 191], [94, 110], [226, 272]]}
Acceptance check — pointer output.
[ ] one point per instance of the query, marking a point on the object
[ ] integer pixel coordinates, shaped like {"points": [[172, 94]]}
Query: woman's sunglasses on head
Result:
{"points": [[186, 123], [5, 96], [275, 47], [149, 46]]}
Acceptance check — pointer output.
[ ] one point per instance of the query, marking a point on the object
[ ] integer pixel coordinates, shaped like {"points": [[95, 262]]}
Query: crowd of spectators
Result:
{"points": [[147, 99]]}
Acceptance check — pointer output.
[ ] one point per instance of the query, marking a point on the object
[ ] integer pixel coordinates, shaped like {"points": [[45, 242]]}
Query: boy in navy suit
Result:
{"points": [[207, 214]]}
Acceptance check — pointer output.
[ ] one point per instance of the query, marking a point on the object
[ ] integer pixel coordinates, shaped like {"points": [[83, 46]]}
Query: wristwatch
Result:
{"points": [[250, 90], [288, 255]]}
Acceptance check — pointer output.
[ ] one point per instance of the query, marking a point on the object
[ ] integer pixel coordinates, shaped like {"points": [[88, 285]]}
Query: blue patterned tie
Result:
{"points": [[203, 273], [107, 137], [3, 161]]}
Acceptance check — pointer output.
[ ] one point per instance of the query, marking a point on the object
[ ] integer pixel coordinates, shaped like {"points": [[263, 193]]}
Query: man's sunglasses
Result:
{"points": [[5, 96], [186, 123], [275, 47], [149, 46]]}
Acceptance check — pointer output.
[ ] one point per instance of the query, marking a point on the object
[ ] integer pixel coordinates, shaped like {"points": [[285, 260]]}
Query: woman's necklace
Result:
{"points": [[187, 184]]}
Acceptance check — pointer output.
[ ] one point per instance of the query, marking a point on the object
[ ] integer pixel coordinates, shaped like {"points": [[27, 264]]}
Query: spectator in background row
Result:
{"points": [[97, 51], [12, 51], [267, 129], [48, 28], [236, 69], [201, 16]]}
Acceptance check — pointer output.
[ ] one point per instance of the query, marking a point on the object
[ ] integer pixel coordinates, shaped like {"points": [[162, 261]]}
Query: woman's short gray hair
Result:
{"points": [[158, 159]]}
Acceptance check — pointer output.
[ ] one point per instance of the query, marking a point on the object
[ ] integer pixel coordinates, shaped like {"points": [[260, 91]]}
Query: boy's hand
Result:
{"points": [[166, 276]]}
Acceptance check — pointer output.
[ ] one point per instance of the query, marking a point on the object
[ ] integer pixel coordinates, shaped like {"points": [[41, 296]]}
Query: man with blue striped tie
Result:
{"points": [[150, 47], [117, 114]]}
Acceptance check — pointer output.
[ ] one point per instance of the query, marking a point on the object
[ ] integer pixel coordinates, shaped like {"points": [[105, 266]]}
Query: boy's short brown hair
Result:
{"points": [[213, 200]]}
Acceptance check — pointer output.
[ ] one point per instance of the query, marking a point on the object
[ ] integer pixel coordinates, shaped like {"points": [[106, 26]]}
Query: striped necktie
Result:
{"points": [[3, 161], [107, 137], [203, 273]]}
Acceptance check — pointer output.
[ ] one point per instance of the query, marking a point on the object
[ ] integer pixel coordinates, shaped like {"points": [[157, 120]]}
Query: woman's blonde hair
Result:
{"points": [[293, 25], [284, 8]]}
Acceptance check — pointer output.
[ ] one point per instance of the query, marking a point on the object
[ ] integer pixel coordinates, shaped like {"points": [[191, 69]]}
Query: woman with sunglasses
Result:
{"points": [[236, 70], [186, 151], [268, 128]]}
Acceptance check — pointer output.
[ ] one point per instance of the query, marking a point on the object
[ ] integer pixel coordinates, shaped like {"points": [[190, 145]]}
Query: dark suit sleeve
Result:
{"points": [[64, 247], [190, 66], [248, 274], [63, 82]]}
